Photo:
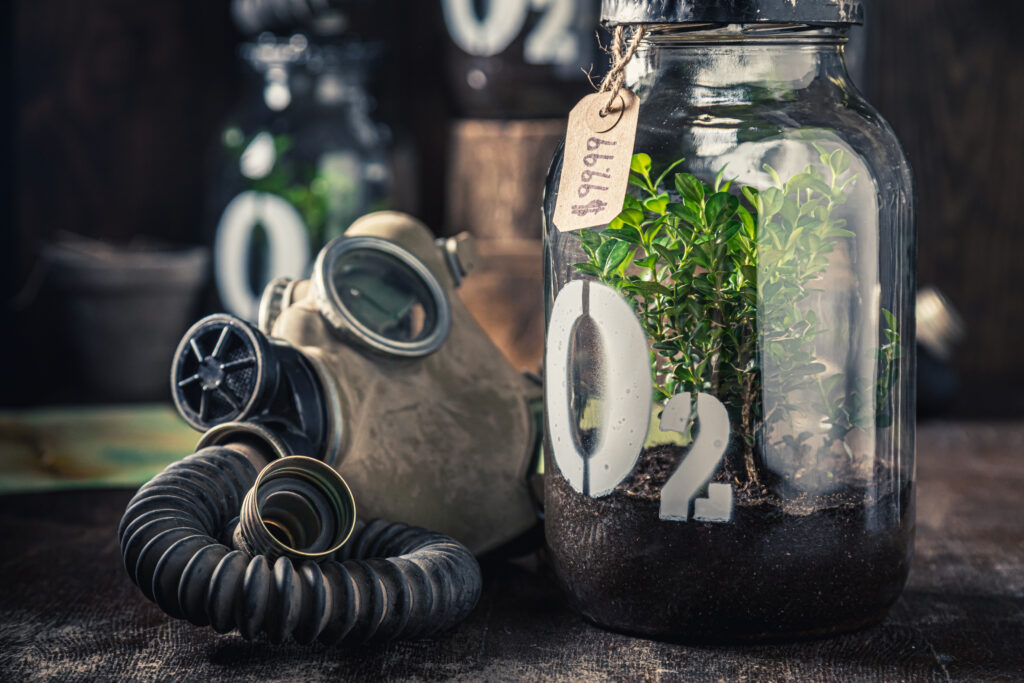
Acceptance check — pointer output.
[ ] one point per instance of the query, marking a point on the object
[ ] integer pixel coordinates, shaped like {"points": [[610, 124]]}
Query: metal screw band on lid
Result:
{"points": [[377, 293], [815, 12]]}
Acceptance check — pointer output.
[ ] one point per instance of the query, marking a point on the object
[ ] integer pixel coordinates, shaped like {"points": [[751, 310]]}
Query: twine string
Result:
{"points": [[621, 51]]}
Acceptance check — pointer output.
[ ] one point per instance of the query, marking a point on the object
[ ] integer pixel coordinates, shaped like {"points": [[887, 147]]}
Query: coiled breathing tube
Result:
{"points": [[301, 565]]}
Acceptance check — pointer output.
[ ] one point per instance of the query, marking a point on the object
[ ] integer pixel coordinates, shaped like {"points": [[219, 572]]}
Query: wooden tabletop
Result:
{"points": [[68, 609]]}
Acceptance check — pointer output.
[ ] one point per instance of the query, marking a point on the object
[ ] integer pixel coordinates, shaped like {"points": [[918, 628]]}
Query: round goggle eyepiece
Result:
{"points": [[381, 295]]}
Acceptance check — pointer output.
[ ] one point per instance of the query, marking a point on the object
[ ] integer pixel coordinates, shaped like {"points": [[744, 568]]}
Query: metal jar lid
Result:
{"points": [[815, 12]]}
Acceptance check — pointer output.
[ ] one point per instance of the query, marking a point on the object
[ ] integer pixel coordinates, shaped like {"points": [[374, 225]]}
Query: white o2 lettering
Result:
{"points": [[489, 34], [553, 41], [700, 463], [288, 247], [626, 408], [550, 42]]}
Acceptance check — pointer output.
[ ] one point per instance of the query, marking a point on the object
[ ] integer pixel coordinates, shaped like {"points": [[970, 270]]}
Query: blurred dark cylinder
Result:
{"points": [[515, 69]]}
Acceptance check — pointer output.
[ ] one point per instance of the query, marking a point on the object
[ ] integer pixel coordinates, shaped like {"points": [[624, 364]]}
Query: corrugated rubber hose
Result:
{"points": [[388, 581]]}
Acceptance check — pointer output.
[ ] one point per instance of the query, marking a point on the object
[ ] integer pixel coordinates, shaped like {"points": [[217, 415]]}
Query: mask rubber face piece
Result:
{"points": [[382, 296]]}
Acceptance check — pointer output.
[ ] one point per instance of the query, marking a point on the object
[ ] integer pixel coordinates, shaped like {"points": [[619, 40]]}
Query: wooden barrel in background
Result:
{"points": [[495, 182]]}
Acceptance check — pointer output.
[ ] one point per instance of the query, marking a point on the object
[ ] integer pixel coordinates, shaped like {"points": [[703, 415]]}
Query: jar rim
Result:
{"points": [[714, 33], [817, 12]]}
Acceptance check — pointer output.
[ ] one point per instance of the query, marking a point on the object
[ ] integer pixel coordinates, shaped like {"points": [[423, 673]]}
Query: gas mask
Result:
{"points": [[374, 366]]}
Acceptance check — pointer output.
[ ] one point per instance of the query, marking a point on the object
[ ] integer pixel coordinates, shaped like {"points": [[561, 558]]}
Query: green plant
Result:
{"points": [[716, 277], [300, 184]]}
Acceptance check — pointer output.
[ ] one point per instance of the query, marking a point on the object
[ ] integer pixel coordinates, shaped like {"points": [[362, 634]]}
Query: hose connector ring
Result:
{"points": [[299, 508]]}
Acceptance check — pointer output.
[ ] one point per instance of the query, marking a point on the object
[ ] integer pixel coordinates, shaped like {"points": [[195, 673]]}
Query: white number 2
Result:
{"points": [[700, 463], [552, 40], [626, 409]]}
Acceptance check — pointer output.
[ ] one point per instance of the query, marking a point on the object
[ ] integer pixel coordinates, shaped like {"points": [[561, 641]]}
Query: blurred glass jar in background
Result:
{"points": [[299, 160]]}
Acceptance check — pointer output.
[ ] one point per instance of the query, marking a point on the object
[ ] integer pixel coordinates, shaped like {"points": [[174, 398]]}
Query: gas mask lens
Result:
{"points": [[383, 296]]}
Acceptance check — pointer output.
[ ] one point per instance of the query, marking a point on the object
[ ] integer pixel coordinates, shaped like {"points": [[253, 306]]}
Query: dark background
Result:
{"points": [[113, 106]]}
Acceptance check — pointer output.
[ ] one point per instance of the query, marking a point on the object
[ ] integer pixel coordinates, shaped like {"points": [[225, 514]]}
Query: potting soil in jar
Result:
{"points": [[779, 568]]}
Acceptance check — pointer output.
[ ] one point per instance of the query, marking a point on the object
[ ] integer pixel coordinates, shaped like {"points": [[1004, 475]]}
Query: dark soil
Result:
{"points": [[781, 568]]}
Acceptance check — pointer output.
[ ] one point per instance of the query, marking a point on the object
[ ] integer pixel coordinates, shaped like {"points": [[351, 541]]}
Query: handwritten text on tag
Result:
{"points": [[595, 166]]}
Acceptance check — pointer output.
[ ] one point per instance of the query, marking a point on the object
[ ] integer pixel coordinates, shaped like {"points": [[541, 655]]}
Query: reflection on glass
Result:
{"points": [[385, 295]]}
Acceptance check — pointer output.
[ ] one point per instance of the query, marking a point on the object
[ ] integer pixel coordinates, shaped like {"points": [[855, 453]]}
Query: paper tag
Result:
{"points": [[595, 166]]}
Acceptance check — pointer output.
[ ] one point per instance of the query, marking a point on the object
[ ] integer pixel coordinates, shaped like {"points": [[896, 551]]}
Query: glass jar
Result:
{"points": [[729, 390], [300, 159]]}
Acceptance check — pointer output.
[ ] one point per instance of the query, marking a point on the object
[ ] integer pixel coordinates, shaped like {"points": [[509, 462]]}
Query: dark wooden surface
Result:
{"points": [[67, 609]]}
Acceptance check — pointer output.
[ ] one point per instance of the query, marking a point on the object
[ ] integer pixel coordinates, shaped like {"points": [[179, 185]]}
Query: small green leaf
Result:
{"points": [[703, 286], [685, 212], [627, 233], [641, 163], [689, 188], [751, 194], [601, 255], [731, 229], [822, 153], [590, 239], [807, 181], [749, 225], [839, 161], [587, 269], [615, 256], [829, 384], [718, 178], [633, 217], [631, 202], [720, 208], [657, 204], [772, 200], [774, 176], [647, 262], [669, 255], [789, 211], [839, 232], [639, 182], [650, 288], [889, 318]]}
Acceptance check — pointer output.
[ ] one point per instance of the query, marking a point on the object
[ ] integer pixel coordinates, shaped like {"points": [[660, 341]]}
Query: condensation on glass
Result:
{"points": [[730, 364]]}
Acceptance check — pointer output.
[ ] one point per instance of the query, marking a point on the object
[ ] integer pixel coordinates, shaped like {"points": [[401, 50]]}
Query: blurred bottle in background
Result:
{"points": [[302, 156], [514, 70]]}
